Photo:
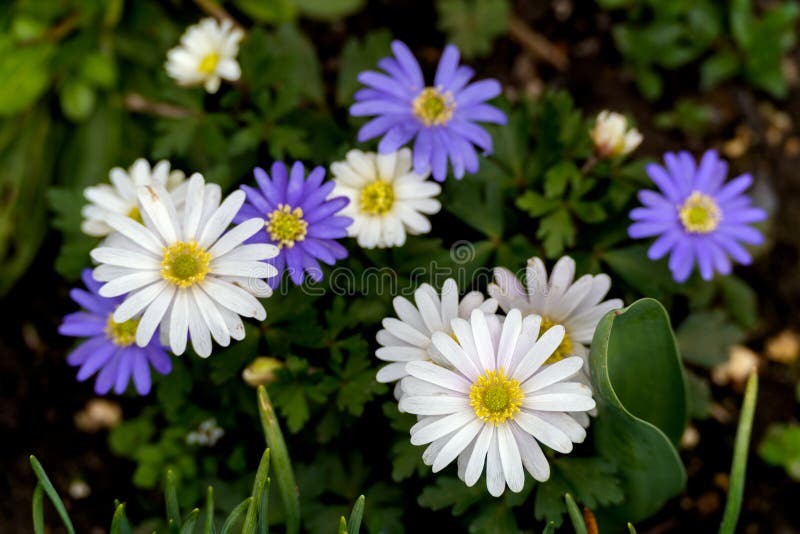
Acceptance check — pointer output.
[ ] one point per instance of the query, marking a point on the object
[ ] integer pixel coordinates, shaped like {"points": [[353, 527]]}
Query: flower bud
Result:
{"points": [[261, 371], [612, 137]]}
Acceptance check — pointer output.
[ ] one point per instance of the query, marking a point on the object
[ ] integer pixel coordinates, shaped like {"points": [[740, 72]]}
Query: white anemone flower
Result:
{"points": [[496, 402], [388, 200], [184, 271], [206, 55], [120, 196], [408, 337], [612, 137]]}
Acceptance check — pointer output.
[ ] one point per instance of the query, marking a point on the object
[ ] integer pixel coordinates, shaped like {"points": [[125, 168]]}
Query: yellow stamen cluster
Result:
{"points": [[285, 226], [185, 264], [208, 64], [495, 397], [433, 107], [377, 198], [700, 214], [121, 334], [564, 349]]}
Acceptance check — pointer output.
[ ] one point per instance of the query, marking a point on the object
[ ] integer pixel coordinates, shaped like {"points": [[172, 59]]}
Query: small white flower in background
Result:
{"points": [[387, 198], [496, 402], [207, 434], [408, 338], [574, 304], [612, 137], [206, 55], [183, 270], [120, 196]]}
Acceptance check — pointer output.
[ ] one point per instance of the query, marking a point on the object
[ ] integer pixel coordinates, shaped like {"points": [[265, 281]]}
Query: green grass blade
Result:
{"points": [[171, 498], [263, 513], [38, 509], [631, 529], [236, 514], [354, 524], [190, 522], [575, 515], [281, 464], [250, 521], [739, 467], [51, 492], [342, 525], [119, 523], [209, 527], [550, 528]]}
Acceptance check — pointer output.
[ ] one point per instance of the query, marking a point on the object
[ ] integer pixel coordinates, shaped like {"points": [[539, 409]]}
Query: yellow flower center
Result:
{"points": [[377, 198], [122, 334], [185, 264], [208, 64], [135, 214], [433, 107], [495, 397], [700, 214], [286, 225], [563, 350]]}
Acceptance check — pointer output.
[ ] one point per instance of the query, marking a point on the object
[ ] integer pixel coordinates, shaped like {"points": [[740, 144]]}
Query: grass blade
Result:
{"points": [[38, 509], [263, 514], [190, 522], [575, 515], [237, 513], [209, 527], [342, 525], [631, 529], [739, 467], [171, 498], [119, 523], [354, 524], [281, 465], [51, 492], [250, 521], [550, 528]]}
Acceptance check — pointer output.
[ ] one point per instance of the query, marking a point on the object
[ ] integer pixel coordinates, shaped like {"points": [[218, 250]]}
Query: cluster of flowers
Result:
{"points": [[178, 263]]}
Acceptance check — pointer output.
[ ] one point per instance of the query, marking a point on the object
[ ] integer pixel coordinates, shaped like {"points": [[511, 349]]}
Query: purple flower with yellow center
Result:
{"points": [[300, 219], [698, 218], [110, 351], [443, 117]]}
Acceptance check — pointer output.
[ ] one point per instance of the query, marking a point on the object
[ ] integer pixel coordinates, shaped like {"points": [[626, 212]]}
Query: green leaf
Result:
{"points": [[705, 338], [740, 300], [171, 499], [329, 9], [51, 492], [274, 11], [494, 518], [281, 464], [575, 515], [208, 526], [235, 515], [252, 517], [535, 204], [781, 447], [558, 176], [633, 266], [25, 75], [447, 492], [37, 505], [463, 197], [641, 405], [733, 503], [718, 68], [699, 395], [359, 55], [593, 481], [119, 523], [354, 523], [190, 522], [557, 232], [99, 70], [472, 25]]}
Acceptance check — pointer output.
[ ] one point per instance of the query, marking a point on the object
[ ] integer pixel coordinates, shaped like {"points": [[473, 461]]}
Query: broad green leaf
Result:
{"points": [[558, 176], [535, 204], [641, 399]]}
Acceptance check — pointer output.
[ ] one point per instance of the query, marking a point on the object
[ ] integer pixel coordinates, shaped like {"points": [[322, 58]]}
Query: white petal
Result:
{"points": [[136, 232], [406, 332], [156, 203], [553, 373], [391, 372], [198, 331], [234, 323], [483, 341], [137, 301], [408, 313], [234, 298], [179, 323], [448, 424], [212, 317], [243, 269], [435, 405], [250, 252], [218, 222], [440, 376], [533, 458], [401, 354], [457, 443], [512, 327], [478, 456], [574, 431], [456, 355], [545, 432], [236, 236], [536, 280], [559, 402], [125, 258], [536, 356], [128, 283], [428, 309], [193, 206], [495, 479], [152, 316], [510, 459]]}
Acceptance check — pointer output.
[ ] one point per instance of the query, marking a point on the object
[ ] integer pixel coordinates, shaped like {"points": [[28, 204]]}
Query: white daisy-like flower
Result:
{"points": [[387, 198], [612, 137], [206, 55], [408, 337], [120, 196], [575, 305], [183, 271], [496, 403]]}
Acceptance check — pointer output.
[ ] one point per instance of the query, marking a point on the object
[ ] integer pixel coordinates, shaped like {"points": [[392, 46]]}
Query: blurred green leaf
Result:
{"points": [[359, 55], [557, 232], [781, 447], [77, 100], [705, 337], [25, 75], [329, 9], [473, 25]]}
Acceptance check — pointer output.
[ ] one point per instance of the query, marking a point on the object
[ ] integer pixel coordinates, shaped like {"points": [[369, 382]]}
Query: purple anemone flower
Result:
{"points": [[697, 216], [441, 116], [300, 219], [110, 351]]}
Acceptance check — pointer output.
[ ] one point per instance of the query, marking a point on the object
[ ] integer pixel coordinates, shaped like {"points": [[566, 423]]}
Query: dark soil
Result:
{"points": [[39, 396]]}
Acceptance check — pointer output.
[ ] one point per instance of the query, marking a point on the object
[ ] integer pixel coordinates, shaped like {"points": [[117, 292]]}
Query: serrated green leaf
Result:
{"points": [[557, 232], [473, 25], [357, 56], [449, 492], [705, 337]]}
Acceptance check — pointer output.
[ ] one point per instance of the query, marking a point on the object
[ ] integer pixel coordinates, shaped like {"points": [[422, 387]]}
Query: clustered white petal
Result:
{"points": [[388, 200], [183, 270], [206, 55], [120, 196]]}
